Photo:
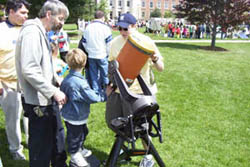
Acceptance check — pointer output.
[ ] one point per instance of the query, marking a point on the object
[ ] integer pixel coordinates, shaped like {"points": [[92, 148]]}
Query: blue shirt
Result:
{"points": [[79, 95]]}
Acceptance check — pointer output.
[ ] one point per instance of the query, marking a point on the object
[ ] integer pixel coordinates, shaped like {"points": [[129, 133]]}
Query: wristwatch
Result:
{"points": [[155, 60]]}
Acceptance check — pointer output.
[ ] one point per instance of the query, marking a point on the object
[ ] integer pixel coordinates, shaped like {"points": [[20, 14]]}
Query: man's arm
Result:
{"points": [[108, 40], [157, 59], [31, 58]]}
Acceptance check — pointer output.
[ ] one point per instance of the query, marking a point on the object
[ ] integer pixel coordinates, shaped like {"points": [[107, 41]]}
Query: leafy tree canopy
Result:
{"points": [[103, 6], [156, 13], [169, 14], [214, 13], [77, 8]]}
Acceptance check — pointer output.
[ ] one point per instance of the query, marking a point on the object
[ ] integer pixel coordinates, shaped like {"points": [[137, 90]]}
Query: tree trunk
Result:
{"points": [[77, 25], [213, 37]]}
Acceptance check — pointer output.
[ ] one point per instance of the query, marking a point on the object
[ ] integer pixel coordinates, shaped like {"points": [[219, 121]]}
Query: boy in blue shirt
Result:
{"points": [[76, 111]]}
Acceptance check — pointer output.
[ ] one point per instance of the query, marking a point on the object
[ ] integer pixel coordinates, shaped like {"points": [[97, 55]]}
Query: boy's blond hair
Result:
{"points": [[76, 58]]}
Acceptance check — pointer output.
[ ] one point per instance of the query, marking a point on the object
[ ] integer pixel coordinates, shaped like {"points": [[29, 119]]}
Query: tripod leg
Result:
{"points": [[153, 151], [114, 154]]}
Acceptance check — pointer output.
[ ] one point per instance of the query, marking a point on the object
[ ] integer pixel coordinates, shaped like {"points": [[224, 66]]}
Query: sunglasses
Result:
{"points": [[122, 29]]}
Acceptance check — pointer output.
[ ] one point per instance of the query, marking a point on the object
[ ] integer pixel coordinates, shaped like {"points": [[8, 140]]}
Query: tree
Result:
{"points": [[35, 7], [89, 10], [156, 13], [103, 6], [214, 13], [3, 2], [77, 9], [1, 15], [168, 14]]}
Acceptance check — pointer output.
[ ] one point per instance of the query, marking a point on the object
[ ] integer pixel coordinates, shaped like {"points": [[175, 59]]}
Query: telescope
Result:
{"points": [[140, 123]]}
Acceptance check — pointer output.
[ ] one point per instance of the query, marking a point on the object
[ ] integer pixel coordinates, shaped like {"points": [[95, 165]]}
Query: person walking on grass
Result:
{"points": [[39, 84], [17, 14]]}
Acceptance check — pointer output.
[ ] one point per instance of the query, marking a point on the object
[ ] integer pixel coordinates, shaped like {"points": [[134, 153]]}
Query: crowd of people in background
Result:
{"points": [[179, 29]]}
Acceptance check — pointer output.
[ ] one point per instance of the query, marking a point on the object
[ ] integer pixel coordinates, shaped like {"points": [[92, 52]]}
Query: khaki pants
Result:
{"points": [[12, 107]]}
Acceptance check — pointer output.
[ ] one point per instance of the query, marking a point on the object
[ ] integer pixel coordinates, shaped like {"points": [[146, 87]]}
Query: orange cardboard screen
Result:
{"points": [[131, 60]]}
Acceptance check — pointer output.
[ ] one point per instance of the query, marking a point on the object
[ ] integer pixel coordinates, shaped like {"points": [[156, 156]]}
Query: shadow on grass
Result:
{"points": [[72, 34], [103, 157], [179, 46], [191, 47], [5, 154]]}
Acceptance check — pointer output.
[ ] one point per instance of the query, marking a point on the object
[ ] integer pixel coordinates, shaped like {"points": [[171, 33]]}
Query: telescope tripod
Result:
{"points": [[123, 152]]}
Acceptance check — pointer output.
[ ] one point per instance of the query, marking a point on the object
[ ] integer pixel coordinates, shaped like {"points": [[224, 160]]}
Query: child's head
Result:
{"points": [[76, 59], [54, 48]]}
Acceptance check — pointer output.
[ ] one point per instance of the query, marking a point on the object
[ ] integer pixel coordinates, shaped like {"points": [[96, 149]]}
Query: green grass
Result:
{"points": [[70, 27], [205, 104]]}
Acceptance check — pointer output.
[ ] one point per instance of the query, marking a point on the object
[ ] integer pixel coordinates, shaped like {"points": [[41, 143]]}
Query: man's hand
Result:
{"points": [[1, 91], [154, 58], [60, 97], [109, 90]]}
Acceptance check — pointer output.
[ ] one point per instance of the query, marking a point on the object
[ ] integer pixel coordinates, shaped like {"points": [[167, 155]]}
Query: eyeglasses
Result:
{"points": [[122, 29]]}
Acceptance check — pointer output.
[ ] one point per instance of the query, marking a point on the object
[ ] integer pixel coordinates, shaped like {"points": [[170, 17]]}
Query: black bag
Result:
{"points": [[25, 107], [80, 46]]}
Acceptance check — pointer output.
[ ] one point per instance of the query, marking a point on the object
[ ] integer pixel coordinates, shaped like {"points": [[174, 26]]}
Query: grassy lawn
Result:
{"points": [[205, 103]]}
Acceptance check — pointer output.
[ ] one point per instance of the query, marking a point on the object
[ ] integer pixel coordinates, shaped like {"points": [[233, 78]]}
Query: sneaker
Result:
{"points": [[86, 153], [18, 156], [77, 160]]}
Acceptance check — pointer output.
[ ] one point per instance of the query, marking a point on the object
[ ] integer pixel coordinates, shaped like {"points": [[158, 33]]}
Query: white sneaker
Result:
{"points": [[85, 152], [77, 160], [18, 156]]}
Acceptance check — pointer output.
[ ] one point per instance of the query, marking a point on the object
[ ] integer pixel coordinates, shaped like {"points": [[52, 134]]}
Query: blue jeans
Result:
{"points": [[76, 135], [97, 73], [46, 136]]}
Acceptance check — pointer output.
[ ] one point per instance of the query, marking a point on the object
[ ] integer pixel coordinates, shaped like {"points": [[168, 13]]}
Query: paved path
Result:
{"points": [[190, 41], [201, 41], [183, 41]]}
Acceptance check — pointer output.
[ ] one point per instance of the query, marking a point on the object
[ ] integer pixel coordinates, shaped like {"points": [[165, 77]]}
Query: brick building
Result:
{"points": [[141, 9]]}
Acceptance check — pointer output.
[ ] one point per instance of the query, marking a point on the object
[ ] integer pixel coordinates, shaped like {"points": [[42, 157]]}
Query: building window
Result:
{"points": [[143, 4], [159, 4], [143, 14], [165, 4], [120, 3], [173, 3], [151, 4], [128, 3]]}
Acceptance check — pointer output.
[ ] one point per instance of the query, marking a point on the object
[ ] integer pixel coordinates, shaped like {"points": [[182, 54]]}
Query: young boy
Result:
{"points": [[75, 112]]}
